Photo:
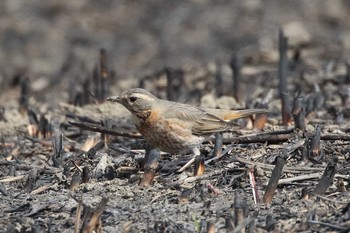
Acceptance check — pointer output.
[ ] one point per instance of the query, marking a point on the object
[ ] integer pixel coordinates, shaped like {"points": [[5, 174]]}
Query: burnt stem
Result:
{"points": [[235, 64], [2, 114], [275, 176], [199, 166], [184, 197], [58, 149], [150, 166], [86, 92], [315, 100], [44, 127], [4, 192], [305, 194], [299, 112], [103, 75], [95, 223], [327, 178], [78, 215], [282, 75], [218, 81], [210, 226], [347, 76], [218, 144], [270, 223], [170, 79], [75, 182], [93, 150], [33, 119], [283, 61], [261, 119], [315, 152], [31, 180], [24, 95], [286, 109], [175, 80], [251, 226], [85, 177], [96, 81], [238, 208], [229, 223], [341, 185], [319, 98], [32, 128], [78, 99]]}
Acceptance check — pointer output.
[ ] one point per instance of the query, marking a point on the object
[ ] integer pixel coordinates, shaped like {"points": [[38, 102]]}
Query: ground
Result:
{"points": [[53, 175]]}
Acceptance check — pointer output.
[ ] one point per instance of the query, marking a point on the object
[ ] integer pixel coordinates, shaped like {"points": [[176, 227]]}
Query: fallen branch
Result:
{"points": [[334, 227], [270, 167], [12, 179], [101, 129], [282, 136]]}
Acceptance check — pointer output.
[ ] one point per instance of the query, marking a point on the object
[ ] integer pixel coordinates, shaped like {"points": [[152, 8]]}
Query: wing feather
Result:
{"points": [[201, 122]]}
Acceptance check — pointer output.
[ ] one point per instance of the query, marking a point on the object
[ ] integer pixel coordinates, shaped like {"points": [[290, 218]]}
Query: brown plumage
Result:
{"points": [[175, 127]]}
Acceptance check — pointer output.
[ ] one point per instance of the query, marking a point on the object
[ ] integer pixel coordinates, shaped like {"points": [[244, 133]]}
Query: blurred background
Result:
{"points": [[52, 41]]}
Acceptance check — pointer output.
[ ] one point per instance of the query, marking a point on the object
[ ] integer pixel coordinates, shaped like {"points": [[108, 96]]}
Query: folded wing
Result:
{"points": [[207, 120]]}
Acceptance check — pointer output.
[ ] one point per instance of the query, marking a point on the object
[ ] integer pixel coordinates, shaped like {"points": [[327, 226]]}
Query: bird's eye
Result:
{"points": [[132, 99]]}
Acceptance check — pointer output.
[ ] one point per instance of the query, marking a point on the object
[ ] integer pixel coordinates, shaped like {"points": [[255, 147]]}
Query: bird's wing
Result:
{"points": [[200, 121], [229, 115]]}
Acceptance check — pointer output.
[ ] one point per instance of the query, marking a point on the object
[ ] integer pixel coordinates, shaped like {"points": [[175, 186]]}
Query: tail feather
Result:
{"points": [[229, 115]]}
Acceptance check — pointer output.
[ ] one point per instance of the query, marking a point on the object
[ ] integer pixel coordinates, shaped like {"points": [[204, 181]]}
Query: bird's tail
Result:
{"points": [[229, 115]]}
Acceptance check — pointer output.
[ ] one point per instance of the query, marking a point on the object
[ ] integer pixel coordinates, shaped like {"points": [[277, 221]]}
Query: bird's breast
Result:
{"points": [[170, 135]]}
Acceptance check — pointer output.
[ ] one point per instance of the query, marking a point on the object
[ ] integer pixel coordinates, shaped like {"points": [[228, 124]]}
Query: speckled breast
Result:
{"points": [[169, 135]]}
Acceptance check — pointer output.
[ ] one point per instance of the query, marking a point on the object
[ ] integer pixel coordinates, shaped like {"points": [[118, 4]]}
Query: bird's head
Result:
{"points": [[135, 100]]}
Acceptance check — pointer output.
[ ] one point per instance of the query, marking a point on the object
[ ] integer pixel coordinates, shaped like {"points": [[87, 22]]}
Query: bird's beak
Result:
{"points": [[113, 99]]}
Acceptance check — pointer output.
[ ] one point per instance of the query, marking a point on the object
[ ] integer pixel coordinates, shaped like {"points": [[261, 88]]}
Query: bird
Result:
{"points": [[173, 127]]}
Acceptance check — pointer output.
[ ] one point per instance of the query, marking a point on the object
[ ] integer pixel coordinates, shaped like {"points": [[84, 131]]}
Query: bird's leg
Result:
{"points": [[196, 153]]}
